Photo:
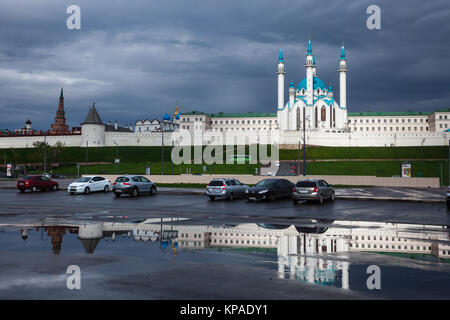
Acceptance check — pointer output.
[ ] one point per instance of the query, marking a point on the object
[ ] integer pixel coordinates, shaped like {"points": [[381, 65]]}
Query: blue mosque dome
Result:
{"points": [[317, 83], [177, 117], [330, 89], [166, 117]]}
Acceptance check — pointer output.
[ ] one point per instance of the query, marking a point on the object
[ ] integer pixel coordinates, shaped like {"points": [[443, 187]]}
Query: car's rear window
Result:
{"points": [[266, 183], [122, 179], [306, 184], [28, 178], [215, 183]]}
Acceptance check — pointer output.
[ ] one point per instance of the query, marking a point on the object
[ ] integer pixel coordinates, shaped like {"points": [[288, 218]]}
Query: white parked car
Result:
{"points": [[89, 184]]}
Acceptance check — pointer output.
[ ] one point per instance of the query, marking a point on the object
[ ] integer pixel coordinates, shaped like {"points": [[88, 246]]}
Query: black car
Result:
{"points": [[270, 189]]}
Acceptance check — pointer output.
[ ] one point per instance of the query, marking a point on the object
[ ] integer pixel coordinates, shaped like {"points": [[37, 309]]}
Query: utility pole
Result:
{"points": [[449, 162], [298, 162]]}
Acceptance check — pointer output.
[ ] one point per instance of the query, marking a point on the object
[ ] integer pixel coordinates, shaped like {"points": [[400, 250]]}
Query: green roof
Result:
{"points": [[375, 114], [443, 110], [230, 115]]}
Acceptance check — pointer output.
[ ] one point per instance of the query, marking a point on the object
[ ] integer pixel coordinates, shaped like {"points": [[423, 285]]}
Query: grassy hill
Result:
{"points": [[134, 160]]}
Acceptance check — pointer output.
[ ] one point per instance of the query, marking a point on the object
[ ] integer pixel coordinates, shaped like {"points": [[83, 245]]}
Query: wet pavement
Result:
{"points": [[186, 247]]}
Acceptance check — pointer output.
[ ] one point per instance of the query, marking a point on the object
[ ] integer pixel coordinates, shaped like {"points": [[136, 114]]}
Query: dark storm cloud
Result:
{"points": [[135, 59]]}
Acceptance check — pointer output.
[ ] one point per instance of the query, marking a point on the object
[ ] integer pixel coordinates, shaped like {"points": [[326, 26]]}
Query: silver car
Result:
{"points": [[312, 189], [226, 188], [134, 185]]}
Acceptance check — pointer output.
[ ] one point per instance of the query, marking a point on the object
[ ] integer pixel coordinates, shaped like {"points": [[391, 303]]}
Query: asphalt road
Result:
{"points": [[60, 204]]}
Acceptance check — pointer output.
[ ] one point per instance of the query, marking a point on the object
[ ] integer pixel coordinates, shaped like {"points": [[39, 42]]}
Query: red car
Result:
{"points": [[34, 183]]}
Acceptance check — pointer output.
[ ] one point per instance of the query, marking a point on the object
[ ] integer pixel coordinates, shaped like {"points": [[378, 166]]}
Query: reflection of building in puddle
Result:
{"points": [[56, 234], [311, 237]]}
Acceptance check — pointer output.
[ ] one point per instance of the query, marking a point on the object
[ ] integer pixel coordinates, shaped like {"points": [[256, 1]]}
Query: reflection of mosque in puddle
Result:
{"points": [[306, 250]]}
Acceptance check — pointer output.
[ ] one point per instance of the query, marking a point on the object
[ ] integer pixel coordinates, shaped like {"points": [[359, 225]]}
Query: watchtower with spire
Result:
{"points": [[60, 126]]}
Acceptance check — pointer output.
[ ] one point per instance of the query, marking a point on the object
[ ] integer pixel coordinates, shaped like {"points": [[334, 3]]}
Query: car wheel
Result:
{"points": [[231, 197], [153, 190], [135, 192], [22, 190], [295, 201], [321, 199], [271, 197], [333, 196], [33, 189], [54, 187], [72, 193], [106, 189], [87, 190], [117, 194], [212, 198]]}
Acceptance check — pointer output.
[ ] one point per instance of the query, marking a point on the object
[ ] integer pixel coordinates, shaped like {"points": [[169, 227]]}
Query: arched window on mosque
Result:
{"points": [[334, 117], [315, 117], [323, 114], [331, 115], [298, 118]]}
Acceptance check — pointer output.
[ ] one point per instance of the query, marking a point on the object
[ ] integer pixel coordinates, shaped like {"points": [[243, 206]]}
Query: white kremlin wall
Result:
{"points": [[96, 137]]}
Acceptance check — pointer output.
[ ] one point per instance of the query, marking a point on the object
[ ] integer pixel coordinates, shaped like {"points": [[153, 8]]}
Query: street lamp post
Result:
{"points": [[86, 169], [304, 144], [162, 150], [45, 153], [423, 164], [117, 154]]}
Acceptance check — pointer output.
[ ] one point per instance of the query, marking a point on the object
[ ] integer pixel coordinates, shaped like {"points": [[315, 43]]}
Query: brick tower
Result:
{"points": [[60, 126]]}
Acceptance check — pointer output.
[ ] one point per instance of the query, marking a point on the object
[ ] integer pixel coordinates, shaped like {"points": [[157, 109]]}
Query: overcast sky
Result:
{"points": [[136, 58]]}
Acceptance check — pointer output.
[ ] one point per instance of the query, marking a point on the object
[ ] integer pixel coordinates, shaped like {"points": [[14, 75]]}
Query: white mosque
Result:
{"points": [[311, 114], [312, 103]]}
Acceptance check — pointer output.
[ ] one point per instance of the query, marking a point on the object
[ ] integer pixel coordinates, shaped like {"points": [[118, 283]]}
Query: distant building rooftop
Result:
{"points": [[229, 115]]}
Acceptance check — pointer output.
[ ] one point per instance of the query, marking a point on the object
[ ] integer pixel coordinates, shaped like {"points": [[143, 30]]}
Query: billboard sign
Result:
{"points": [[406, 170]]}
